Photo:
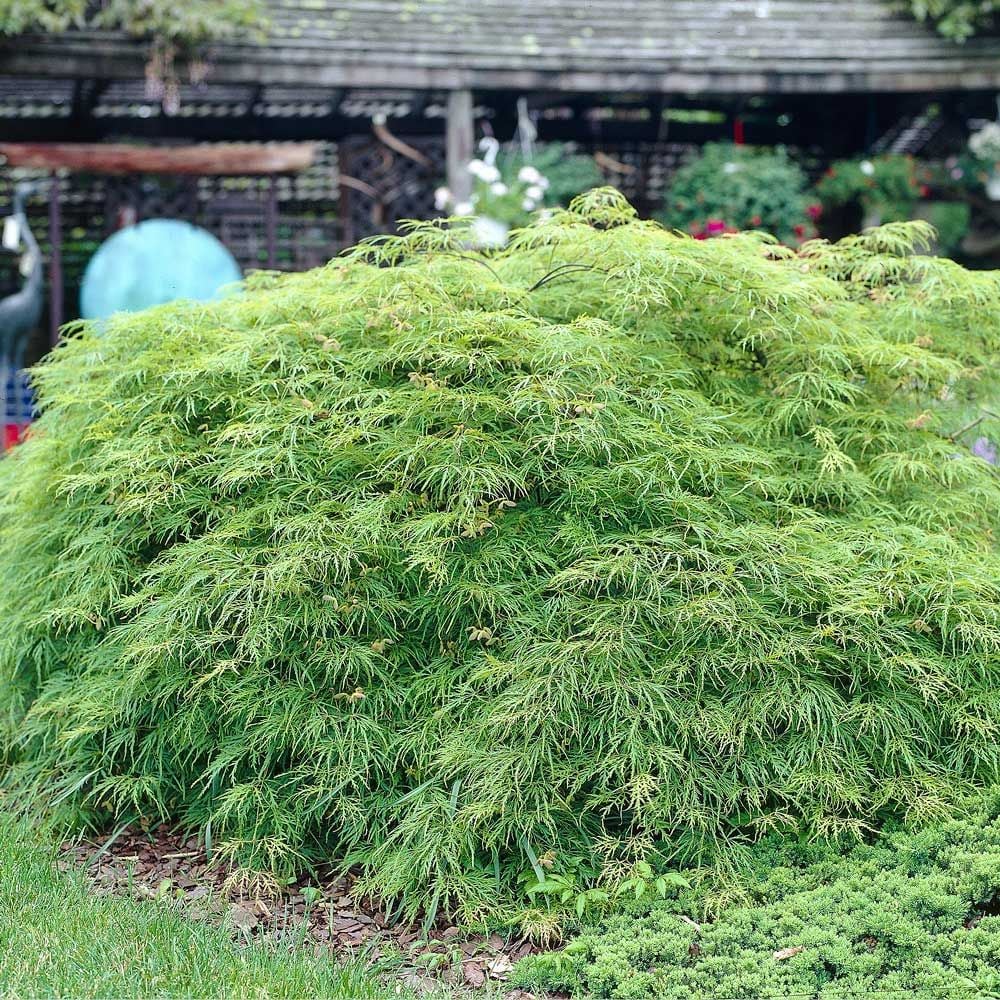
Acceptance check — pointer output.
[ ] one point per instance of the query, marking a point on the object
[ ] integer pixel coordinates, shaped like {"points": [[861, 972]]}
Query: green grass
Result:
{"points": [[57, 939]]}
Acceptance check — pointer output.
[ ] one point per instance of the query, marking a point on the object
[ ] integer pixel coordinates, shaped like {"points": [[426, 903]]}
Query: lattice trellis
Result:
{"points": [[401, 187]]}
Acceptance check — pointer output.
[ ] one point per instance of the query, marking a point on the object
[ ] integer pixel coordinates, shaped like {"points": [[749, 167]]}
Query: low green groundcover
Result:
{"points": [[914, 915], [614, 546]]}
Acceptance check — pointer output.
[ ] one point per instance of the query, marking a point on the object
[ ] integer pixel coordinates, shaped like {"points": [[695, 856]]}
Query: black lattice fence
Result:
{"points": [[401, 187]]}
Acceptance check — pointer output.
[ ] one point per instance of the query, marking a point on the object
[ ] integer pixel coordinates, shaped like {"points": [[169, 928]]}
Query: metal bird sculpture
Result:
{"points": [[20, 312]]}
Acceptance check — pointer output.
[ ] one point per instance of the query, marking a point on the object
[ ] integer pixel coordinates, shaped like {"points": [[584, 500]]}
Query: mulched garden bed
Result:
{"points": [[315, 911]]}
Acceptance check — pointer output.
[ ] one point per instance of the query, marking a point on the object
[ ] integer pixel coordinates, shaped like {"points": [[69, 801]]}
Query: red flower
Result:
{"points": [[756, 220], [924, 191], [814, 211], [715, 226], [799, 230]]}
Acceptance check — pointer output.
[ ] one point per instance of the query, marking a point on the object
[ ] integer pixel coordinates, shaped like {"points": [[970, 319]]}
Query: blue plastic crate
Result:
{"points": [[19, 402]]}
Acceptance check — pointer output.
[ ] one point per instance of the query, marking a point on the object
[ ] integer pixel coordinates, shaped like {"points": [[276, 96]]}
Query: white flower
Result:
{"points": [[528, 174], [489, 174], [985, 144], [441, 198], [543, 182], [499, 189], [489, 232], [534, 192], [463, 208], [867, 168], [476, 167], [730, 168], [527, 204]]}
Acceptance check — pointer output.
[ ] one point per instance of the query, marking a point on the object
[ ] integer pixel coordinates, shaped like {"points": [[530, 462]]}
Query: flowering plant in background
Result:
{"points": [[984, 145], [508, 189], [568, 172], [498, 201], [729, 188]]}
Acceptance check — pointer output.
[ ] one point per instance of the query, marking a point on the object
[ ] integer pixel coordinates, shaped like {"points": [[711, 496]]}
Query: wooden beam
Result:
{"points": [[460, 141], [99, 158], [954, 68]]}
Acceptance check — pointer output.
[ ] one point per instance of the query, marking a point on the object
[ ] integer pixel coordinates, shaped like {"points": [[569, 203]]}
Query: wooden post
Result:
{"points": [[271, 220], [55, 262], [460, 143]]}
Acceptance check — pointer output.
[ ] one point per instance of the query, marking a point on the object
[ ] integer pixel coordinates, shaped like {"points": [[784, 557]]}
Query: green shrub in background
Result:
{"points": [[887, 188], [729, 187], [915, 915], [955, 19], [613, 545], [893, 188]]}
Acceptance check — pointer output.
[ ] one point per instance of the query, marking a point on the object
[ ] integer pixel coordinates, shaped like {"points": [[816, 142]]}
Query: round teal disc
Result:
{"points": [[156, 261]]}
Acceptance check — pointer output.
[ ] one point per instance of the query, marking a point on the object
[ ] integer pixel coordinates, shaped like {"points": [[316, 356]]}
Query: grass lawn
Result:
{"points": [[57, 939]]}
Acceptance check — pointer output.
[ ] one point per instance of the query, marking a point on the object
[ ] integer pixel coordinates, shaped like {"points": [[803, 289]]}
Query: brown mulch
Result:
{"points": [[318, 912]]}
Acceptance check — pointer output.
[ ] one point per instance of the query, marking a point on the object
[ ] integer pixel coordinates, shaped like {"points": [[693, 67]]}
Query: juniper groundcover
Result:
{"points": [[614, 544], [914, 915]]}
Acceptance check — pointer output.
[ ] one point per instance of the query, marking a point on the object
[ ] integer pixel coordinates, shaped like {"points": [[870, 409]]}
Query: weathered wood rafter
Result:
{"points": [[684, 46], [238, 159]]}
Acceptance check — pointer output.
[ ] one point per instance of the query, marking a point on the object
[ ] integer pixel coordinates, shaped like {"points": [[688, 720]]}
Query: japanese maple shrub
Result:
{"points": [[610, 543]]}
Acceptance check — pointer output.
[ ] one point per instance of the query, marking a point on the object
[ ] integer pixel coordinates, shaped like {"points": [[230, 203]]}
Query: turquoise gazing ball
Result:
{"points": [[156, 261]]}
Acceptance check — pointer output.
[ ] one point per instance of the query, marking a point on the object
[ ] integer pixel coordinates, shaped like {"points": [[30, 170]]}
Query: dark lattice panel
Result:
{"points": [[650, 165], [404, 187]]}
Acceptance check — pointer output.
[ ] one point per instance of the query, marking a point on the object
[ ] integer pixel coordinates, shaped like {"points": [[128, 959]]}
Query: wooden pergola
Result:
{"points": [[393, 94], [463, 52]]}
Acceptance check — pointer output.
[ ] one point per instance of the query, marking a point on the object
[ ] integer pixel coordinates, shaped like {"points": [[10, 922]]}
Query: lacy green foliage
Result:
{"points": [[611, 543], [731, 187], [916, 915], [184, 25], [173, 30], [956, 19]]}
